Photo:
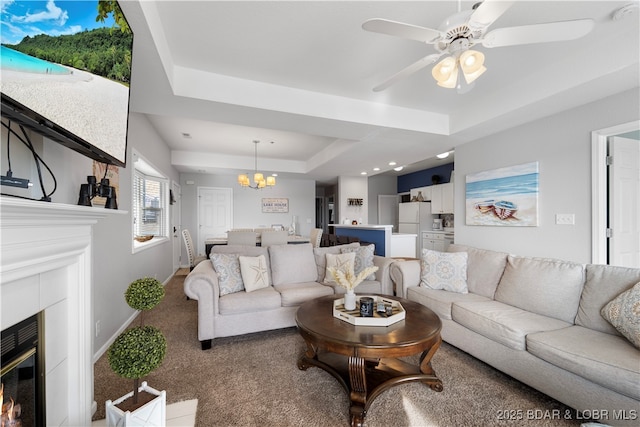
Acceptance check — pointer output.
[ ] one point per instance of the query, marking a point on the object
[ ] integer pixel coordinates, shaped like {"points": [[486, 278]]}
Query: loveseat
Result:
{"points": [[539, 321], [228, 305]]}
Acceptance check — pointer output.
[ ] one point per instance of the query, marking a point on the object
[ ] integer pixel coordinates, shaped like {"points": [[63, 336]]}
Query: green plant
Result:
{"points": [[141, 349]]}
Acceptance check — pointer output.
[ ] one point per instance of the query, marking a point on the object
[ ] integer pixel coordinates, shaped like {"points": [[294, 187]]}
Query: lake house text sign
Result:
{"points": [[275, 205]]}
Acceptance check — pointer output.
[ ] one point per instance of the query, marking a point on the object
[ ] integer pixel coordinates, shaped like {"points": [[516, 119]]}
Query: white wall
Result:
{"points": [[562, 145], [353, 188], [247, 202], [114, 266]]}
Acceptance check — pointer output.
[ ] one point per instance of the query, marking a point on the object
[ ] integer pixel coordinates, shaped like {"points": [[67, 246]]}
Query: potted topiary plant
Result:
{"points": [[134, 354]]}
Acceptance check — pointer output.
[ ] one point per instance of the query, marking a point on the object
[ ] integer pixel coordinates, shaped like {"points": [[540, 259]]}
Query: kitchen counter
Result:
{"points": [[379, 235]]}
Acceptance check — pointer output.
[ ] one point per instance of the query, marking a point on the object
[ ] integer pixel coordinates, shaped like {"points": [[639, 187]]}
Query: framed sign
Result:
{"points": [[275, 205]]}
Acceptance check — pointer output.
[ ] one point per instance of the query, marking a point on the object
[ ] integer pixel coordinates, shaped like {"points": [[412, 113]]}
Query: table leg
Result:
{"points": [[358, 394], [425, 367], [310, 354]]}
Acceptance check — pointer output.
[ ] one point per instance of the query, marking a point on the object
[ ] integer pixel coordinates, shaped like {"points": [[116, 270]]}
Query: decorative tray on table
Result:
{"points": [[378, 319]]}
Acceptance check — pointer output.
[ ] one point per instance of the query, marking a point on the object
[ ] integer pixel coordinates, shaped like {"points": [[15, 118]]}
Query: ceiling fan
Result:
{"points": [[461, 31]]}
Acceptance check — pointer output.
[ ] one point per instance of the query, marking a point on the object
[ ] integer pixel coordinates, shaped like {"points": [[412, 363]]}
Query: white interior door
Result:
{"points": [[624, 202], [176, 226], [215, 213]]}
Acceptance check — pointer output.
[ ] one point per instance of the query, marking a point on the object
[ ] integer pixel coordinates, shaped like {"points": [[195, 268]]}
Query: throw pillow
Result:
{"points": [[364, 259], [623, 312], [342, 262], [255, 274], [444, 270], [228, 268]]}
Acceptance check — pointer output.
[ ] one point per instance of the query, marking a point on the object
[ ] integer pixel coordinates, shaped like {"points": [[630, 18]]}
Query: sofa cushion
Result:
{"points": [[254, 272], [294, 294], [484, 268], [227, 266], [544, 286], [250, 302], [603, 283], [623, 312], [321, 260], [342, 262], [605, 359], [244, 250], [440, 301], [364, 258], [502, 323], [444, 270], [292, 264]]}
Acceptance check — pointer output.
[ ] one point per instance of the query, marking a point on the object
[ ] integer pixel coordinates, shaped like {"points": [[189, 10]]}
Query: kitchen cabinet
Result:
{"points": [[442, 198], [434, 241]]}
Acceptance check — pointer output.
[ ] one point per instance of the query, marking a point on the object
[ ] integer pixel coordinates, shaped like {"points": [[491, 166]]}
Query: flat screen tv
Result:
{"points": [[66, 72]]}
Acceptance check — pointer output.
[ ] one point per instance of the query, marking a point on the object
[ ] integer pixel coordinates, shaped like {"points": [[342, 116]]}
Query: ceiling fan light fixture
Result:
{"points": [[445, 71], [472, 65]]}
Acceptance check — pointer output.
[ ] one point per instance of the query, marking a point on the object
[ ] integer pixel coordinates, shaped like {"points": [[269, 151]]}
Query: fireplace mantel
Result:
{"points": [[46, 265]]}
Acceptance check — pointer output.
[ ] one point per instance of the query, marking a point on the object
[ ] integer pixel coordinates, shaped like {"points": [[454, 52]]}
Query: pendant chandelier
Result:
{"points": [[258, 177]]}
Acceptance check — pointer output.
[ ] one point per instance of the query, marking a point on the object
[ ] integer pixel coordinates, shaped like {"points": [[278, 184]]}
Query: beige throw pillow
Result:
{"points": [[623, 312], [341, 262], [444, 270], [255, 273]]}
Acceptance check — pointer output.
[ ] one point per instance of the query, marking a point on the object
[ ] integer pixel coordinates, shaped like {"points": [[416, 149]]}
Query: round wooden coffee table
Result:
{"points": [[364, 358]]}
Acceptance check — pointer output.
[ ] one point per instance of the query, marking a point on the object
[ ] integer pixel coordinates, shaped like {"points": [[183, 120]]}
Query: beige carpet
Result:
{"points": [[253, 380]]}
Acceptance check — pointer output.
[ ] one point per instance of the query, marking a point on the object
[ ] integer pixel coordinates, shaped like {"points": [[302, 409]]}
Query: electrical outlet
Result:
{"points": [[565, 219], [97, 328]]}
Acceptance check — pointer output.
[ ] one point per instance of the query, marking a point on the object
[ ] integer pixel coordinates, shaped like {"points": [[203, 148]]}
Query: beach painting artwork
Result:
{"points": [[503, 197]]}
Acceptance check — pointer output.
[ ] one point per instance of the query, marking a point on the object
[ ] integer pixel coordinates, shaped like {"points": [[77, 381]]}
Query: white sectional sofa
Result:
{"points": [[296, 275], [539, 321]]}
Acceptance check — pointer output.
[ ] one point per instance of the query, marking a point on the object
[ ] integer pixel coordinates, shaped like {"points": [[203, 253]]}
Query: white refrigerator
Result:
{"points": [[414, 217]]}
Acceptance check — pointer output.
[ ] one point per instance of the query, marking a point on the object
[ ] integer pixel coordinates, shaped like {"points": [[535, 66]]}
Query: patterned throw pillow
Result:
{"points": [[255, 273], [444, 270], [623, 312], [364, 258], [340, 262], [228, 268]]}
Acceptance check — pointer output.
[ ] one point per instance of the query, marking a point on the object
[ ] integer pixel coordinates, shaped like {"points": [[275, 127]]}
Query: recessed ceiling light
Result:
{"points": [[443, 155], [186, 135], [274, 174], [363, 173], [398, 169], [392, 163], [376, 169]]}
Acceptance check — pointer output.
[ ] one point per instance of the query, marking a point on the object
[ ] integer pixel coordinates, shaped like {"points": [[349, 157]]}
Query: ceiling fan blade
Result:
{"points": [[416, 66], [538, 33], [487, 13], [399, 29]]}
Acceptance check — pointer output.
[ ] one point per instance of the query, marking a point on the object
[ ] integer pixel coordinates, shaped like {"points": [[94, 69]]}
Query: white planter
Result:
{"points": [[153, 413]]}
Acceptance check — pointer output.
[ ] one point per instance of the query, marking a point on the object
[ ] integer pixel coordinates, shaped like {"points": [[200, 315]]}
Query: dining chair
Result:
{"points": [[274, 237], [191, 253], [235, 237], [315, 236]]}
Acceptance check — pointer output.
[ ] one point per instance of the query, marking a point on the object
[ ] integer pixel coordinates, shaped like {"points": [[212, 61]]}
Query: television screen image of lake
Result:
{"points": [[17, 61]]}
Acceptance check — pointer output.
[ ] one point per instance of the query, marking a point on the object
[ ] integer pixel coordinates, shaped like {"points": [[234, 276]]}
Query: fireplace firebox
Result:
{"points": [[22, 388]]}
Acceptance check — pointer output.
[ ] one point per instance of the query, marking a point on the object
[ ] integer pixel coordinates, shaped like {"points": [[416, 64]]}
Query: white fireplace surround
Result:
{"points": [[45, 265]]}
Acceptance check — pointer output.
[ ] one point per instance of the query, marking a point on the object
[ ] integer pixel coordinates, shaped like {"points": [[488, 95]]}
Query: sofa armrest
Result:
{"points": [[202, 285], [405, 274], [383, 273]]}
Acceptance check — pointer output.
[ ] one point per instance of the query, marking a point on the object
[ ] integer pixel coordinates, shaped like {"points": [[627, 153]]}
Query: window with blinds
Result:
{"points": [[149, 204]]}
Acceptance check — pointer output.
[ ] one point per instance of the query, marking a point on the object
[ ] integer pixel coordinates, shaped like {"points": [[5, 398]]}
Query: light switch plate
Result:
{"points": [[565, 219]]}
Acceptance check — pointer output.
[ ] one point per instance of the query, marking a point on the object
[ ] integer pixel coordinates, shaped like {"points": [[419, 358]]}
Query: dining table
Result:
{"points": [[214, 241]]}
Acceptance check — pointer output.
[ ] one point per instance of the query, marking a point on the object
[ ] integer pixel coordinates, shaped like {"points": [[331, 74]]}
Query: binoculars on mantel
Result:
{"points": [[92, 189]]}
